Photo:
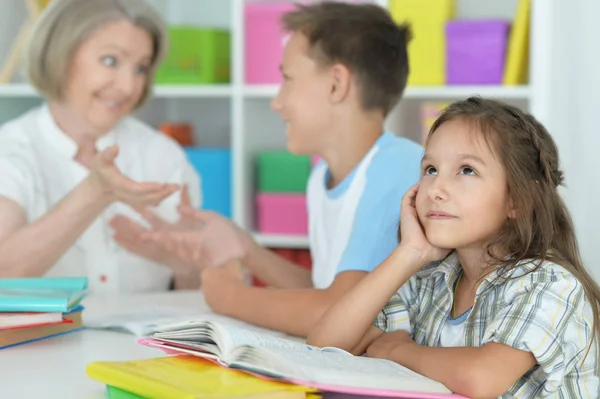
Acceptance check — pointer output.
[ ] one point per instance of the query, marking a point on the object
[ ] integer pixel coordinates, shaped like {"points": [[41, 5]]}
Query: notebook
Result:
{"points": [[146, 319], [328, 369], [19, 319], [70, 322], [116, 393], [41, 294], [141, 321], [185, 377]]}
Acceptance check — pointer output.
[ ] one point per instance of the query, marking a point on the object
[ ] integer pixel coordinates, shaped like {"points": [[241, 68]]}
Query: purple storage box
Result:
{"points": [[475, 51]]}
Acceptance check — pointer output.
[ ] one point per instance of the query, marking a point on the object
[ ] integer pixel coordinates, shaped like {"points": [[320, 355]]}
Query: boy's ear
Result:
{"points": [[341, 79]]}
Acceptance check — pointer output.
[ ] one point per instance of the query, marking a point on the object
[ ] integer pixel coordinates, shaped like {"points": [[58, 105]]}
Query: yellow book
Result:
{"points": [[427, 49], [188, 377], [517, 57]]}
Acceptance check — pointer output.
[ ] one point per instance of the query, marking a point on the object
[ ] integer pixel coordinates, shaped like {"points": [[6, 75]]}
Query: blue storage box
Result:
{"points": [[214, 167]]}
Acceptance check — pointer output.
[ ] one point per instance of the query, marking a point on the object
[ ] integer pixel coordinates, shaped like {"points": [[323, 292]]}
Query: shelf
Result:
{"points": [[457, 92], [160, 91], [423, 92], [167, 91], [281, 241], [269, 91], [17, 90], [261, 91]]}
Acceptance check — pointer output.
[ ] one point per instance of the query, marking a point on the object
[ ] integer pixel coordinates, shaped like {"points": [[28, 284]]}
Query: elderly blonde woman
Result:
{"points": [[73, 170]]}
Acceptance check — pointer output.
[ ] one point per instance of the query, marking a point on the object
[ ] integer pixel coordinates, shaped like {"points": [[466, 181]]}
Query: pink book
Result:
{"points": [[270, 357]]}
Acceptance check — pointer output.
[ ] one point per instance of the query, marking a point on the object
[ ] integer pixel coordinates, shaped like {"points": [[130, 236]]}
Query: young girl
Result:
{"points": [[488, 292]]}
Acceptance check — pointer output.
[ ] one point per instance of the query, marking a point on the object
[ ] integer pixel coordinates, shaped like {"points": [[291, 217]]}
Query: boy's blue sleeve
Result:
{"points": [[374, 232]]}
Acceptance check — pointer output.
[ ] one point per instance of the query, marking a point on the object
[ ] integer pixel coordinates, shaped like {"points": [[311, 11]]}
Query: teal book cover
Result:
{"points": [[41, 294]]}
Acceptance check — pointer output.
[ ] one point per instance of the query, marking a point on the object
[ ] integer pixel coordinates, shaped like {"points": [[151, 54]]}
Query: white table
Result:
{"points": [[55, 368]]}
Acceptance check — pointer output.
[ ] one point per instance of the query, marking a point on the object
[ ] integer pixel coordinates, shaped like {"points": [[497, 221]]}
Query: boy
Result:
{"points": [[344, 67]]}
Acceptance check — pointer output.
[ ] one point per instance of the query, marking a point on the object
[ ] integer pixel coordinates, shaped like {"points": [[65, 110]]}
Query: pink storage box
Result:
{"points": [[264, 41], [282, 213]]}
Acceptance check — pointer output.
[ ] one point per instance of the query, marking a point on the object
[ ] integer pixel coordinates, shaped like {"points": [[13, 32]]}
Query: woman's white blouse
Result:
{"points": [[37, 169]]}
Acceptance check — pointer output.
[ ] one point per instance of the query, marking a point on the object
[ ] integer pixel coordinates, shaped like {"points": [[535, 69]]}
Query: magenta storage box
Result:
{"points": [[476, 51], [264, 41], [281, 213]]}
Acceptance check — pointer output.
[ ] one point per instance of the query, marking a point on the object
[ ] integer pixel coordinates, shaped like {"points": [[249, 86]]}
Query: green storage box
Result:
{"points": [[196, 56], [282, 172]]}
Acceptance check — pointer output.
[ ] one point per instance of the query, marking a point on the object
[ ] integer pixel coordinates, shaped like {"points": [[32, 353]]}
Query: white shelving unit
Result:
{"points": [[162, 91], [422, 92], [238, 115], [281, 241], [269, 91]]}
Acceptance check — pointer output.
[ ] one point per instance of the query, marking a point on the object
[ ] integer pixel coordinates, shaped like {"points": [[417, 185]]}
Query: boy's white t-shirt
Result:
{"points": [[353, 226]]}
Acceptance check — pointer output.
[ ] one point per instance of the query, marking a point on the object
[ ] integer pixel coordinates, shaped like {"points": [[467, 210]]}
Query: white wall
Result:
{"points": [[577, 106], [12, 16]]}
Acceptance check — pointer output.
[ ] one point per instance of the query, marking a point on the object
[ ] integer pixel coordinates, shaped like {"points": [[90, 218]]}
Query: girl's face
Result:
{"points": [[108, 74], [462, 200]]}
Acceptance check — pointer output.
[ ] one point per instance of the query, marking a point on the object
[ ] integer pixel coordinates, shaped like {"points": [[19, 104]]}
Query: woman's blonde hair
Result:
{"points": [[65, 24]]}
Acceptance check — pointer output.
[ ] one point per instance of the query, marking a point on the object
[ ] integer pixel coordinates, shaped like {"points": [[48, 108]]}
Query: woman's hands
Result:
{"points": [[111, 185], [212, 241], [131, 235]]}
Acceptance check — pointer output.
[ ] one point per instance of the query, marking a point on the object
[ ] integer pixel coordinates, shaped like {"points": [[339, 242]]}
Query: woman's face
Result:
{"points": [[107, 75]]}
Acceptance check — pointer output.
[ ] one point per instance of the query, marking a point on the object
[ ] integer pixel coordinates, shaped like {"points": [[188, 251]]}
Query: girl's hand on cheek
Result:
{"points": [[412, 236]]}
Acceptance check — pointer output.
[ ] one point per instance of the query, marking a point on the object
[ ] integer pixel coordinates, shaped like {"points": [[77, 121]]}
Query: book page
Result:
{"points": [[226, 336], [339, 369], [241, 336], [141, 322], [226, 322], [205, 347]]}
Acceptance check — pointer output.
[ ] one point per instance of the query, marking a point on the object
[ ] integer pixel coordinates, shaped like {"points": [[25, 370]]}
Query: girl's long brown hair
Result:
{"points": [[542, 228]]}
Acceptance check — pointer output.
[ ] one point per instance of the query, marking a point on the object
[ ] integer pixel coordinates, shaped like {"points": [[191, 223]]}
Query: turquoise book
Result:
{"points": [[45, 294]]}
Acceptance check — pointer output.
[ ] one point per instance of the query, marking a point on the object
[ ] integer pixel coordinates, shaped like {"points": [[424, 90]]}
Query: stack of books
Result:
{"points": [[39, 308]]}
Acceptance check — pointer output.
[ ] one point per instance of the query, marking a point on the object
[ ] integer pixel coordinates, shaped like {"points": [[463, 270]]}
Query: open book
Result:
{"points": [[266, 356]]}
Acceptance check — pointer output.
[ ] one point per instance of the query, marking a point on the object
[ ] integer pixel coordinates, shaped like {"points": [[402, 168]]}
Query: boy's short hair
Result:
{"points": [[65, 24], [365, 39]]}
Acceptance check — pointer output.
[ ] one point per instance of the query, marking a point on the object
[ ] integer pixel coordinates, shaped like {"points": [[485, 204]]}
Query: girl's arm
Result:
{"points": [[358, 309], [483, 372]]}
